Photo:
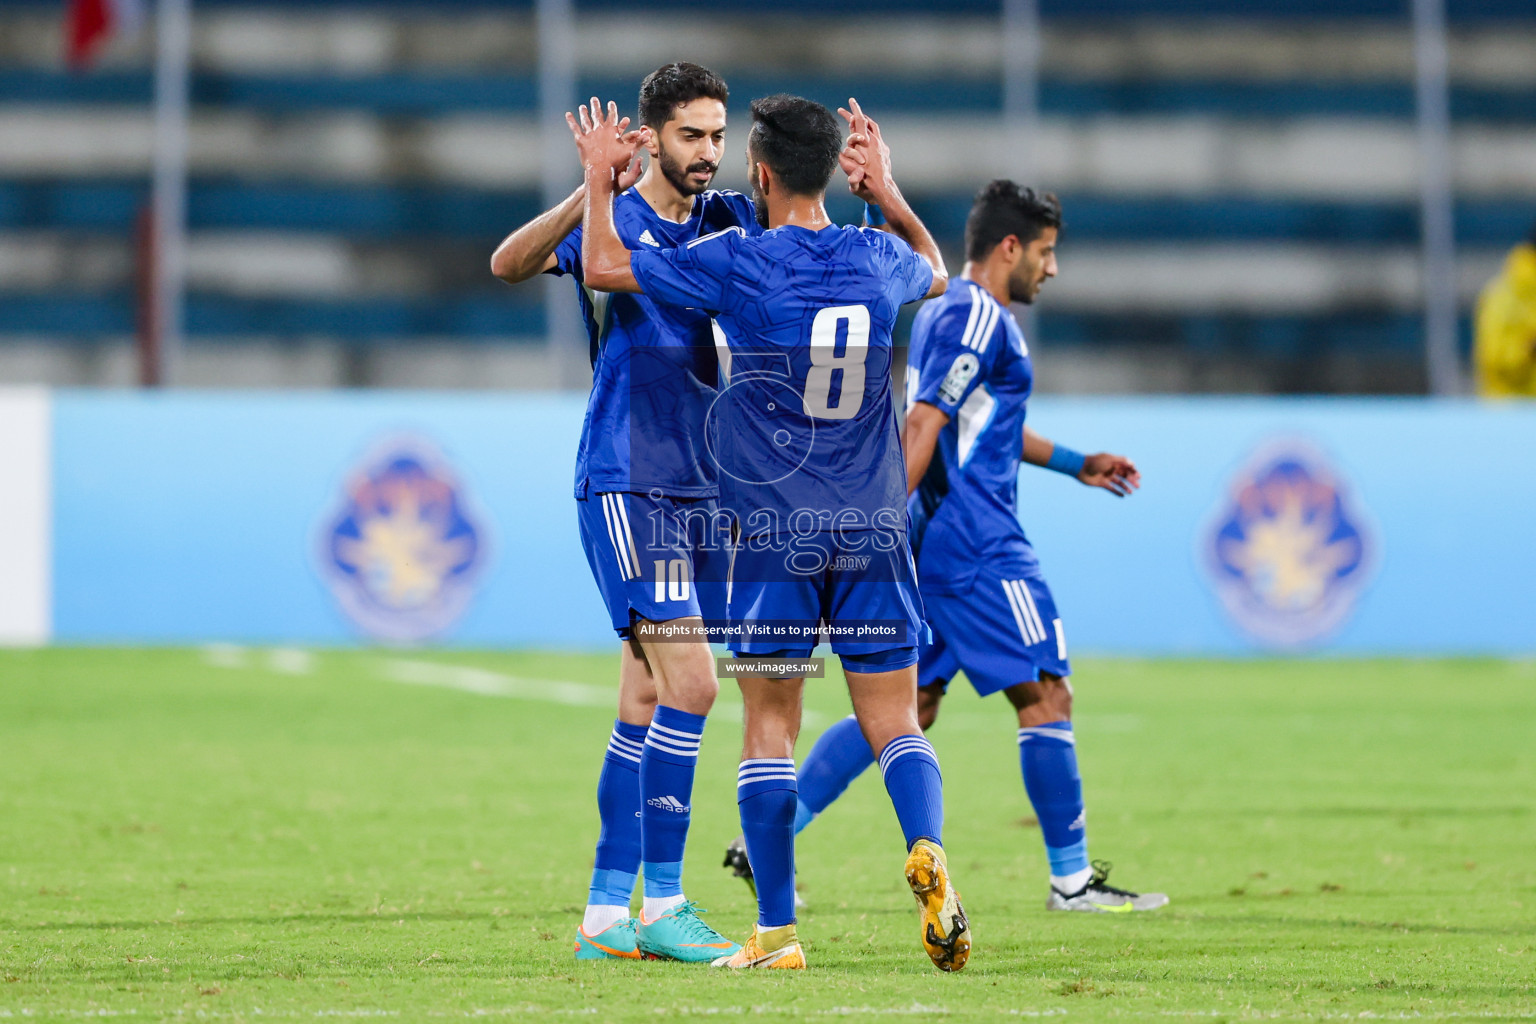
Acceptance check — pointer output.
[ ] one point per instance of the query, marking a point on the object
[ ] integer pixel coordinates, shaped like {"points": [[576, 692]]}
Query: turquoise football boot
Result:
{"points": [[679, 934], [616, 942]]}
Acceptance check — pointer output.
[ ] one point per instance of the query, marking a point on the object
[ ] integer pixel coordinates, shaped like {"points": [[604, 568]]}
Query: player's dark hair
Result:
{"points": [[799, 138], [1004, 208], [672, 85], [1531, 238]]}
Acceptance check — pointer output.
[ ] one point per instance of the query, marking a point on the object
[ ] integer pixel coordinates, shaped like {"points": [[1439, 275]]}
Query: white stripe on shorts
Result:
{"points": [[1034, 612], [629, 537], [1020, 615], [613, 537]]}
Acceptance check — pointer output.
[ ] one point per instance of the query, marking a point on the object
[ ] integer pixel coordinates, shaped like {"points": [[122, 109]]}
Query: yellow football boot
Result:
{"points": [[946, 932], [775, 948]]}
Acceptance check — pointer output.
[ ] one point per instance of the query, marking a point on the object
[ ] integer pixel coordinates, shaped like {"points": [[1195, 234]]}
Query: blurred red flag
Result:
{"points": [[88, 24]]}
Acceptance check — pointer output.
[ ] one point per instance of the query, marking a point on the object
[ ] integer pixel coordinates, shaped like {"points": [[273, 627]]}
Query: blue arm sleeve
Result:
{"points": [[953, 363], [696, 275], [912, 274], [568, 255]]}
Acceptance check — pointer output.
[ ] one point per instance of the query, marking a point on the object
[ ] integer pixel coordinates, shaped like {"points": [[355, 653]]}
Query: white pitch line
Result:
{"points": [[487, 683], [225, 656], [290, 661], [496, 684]]}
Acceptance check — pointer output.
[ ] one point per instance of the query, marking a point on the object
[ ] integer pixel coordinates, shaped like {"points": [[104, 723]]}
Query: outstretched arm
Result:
{"points": [[866, 159], [1115, 473], [919, 435], [606, 150], [530, 250]]}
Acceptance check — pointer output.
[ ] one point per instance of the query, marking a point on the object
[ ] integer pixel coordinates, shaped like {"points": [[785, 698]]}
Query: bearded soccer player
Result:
{"points": [[811, 469], [968, 380], [645, 496]]}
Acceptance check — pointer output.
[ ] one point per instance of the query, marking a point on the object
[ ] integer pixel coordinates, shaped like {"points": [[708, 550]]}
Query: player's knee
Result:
{"points": [[1048, 699], [928, 701], [768, 735], [697, 690], [1056, 695]]}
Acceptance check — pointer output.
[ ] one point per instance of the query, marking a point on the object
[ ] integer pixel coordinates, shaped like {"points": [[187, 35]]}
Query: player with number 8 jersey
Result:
{"points": [[804, 435]]}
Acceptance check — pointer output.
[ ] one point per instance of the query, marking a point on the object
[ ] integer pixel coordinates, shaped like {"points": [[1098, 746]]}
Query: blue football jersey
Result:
{"points": [[968, 358], [654, 369], [804, 433]]}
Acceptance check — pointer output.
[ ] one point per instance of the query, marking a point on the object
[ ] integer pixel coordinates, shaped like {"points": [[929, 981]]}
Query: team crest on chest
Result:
{"points": [[401, 551], [1288, 550]]}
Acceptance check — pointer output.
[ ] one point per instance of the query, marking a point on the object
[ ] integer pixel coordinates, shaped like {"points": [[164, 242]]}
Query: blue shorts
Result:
{"points": [[856, 590], [656, 558], [1002, 632]]}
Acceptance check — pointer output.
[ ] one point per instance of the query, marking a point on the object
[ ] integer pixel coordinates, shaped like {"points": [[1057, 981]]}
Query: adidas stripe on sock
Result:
{"points": [[766, 797], [667, 763], [913, 780], [1048, 761], [617, 863]]}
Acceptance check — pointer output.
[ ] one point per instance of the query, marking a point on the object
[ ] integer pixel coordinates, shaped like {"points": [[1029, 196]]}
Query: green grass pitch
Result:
{"points": [[253, 834]]}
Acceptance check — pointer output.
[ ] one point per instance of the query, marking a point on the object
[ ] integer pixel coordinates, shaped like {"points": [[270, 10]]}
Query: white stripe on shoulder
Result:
{"points": [[984, 333], [970, 322], [716, 234]]}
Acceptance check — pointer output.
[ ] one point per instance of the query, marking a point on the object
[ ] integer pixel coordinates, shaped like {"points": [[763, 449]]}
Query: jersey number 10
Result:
{"points": [[825, 360]]}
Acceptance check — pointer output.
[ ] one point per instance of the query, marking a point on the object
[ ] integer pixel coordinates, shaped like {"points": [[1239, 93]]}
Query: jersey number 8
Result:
{"points": [[825, 360]]}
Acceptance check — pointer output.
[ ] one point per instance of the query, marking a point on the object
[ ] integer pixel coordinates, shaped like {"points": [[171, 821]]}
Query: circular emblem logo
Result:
{"points": [[401, 550], [1287, 550]]}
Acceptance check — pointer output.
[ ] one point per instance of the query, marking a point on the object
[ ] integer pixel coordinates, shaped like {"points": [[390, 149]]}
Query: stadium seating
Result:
{"points": [[1240, 179]]}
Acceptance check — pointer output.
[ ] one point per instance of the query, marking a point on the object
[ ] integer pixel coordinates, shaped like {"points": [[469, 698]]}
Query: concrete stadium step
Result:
{"points": [[1263, 41], [84, 319], [1097, 277], [374, 212], [402, 94], [1342, 158]]}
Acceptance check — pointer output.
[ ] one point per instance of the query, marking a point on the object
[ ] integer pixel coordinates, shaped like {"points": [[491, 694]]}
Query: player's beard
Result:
{"points": [[759, 204], [1021, 290], [678, 175]]}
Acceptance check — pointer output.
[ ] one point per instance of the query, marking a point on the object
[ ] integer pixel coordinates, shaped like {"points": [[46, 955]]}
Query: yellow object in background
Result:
{"points": [[1504, 349]]}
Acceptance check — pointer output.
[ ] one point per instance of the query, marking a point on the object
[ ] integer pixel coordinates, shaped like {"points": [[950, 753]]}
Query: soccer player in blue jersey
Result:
{"points": [[968, 380], [811, 468], [642, 482]]}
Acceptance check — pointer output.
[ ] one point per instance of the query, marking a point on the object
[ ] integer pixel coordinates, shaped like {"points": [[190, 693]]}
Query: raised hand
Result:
{"points": [[631, 174], [603, 143], [866, 159], [1115, 473]]}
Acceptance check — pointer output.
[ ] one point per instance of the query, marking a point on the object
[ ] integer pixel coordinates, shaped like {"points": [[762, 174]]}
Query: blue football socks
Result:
{"points": [[765, 796], [618, 842], [667, 763], [840, 755], [912, 778], [1048, 758]]}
